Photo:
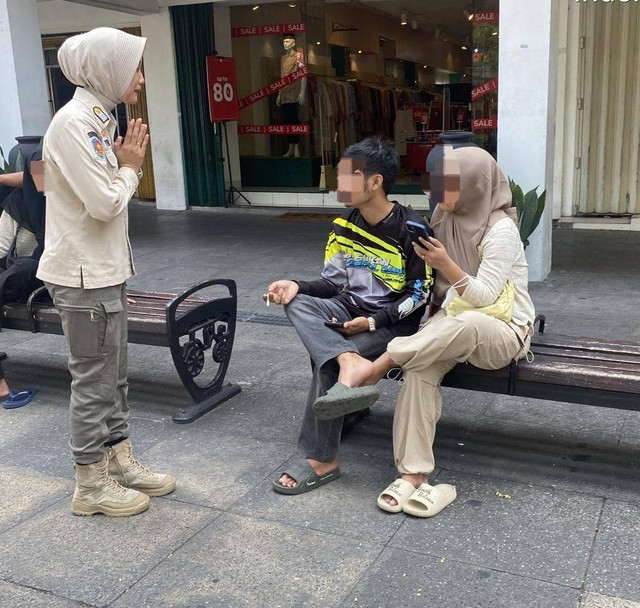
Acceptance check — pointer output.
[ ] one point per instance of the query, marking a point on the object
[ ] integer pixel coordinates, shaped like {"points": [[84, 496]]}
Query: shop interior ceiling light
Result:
{"points": [[414, 24], [292, 4], [403, 19], [255, 7]]}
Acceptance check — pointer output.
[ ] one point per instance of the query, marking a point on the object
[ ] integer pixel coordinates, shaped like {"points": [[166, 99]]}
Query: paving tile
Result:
{"points": [[540, 533], [615, 565], [216, 470], [45, 447], [58, 552], [540, 454], [595, 600], [346, 507], [401, 578], [26, 492], [15, 596], [241, 561], [580, 419]]}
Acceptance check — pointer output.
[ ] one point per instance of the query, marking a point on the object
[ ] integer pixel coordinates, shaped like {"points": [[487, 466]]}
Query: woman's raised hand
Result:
{"points": [[432, 252]]}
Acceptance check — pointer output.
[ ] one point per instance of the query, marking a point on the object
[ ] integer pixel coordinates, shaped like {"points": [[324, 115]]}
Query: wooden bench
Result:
{"points": [[564, 368], [189, 324]]}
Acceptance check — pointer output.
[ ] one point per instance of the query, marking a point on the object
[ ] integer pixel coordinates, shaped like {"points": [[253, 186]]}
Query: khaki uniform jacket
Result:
{"points": [[86, 232]]}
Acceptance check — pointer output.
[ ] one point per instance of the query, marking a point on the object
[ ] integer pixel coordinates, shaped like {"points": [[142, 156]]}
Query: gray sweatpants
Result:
{"points": [[320, 439], [94, 322]]}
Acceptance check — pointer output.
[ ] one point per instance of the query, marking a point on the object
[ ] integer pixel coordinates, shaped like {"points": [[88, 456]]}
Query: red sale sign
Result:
{"points": [[268, 30], [484, 89], [486, 17], [274, 130], [274, 87], [484, 124], [221, 84]]}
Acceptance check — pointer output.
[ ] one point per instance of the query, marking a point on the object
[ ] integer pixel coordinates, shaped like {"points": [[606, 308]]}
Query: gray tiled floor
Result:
{"points": [[566, 537]]}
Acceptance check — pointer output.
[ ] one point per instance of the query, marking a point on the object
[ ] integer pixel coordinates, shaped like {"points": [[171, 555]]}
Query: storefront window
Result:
{"points": [[315, 76], [484, 105]]}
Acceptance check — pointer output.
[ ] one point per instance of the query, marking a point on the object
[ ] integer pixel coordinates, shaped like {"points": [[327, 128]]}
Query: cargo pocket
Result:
{"points": [[113, 310], [84, 327]]}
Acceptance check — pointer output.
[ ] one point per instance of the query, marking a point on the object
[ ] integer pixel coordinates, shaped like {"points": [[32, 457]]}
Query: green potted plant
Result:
{"points": [[4, 165], [530, 207]]}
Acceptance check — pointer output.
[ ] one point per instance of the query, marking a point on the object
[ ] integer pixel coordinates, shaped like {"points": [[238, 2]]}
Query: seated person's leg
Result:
{"points": [[4, 387], [319, 440]]}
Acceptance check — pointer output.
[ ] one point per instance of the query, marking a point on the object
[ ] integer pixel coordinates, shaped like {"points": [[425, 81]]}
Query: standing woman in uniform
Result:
{"points": [[90, 179]]}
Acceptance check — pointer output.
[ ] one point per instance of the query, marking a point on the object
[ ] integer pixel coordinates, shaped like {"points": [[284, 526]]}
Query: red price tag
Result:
{"points": [[221, 84]]}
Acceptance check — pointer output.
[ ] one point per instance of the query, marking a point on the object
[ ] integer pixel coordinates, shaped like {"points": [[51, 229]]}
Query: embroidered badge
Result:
{"points": [[97, 147], [105, 138], [101, 114]]}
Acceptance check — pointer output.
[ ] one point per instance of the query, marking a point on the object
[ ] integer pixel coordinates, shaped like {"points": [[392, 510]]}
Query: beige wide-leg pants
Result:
{"points": [[426, 357]]}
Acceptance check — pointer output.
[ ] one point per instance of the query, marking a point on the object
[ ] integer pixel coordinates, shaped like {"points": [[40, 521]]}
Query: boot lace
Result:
{"points": [[110, 484], [135, 466]]}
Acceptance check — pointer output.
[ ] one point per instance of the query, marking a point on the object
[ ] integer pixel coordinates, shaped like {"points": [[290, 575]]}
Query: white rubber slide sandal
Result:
{"points": [[400, 490], [428, 501]]}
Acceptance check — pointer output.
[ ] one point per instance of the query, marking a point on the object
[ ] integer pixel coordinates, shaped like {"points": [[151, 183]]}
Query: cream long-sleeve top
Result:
{"points": [[25, 243], [501, 258], [86, 234]]}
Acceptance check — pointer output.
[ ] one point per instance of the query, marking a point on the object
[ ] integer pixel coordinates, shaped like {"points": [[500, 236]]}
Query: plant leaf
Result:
{"points": [[517, 197], [528, 214]]}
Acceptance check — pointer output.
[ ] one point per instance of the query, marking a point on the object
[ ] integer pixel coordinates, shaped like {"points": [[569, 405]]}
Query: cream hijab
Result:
{"points": [[103, 61], [485, 198]]}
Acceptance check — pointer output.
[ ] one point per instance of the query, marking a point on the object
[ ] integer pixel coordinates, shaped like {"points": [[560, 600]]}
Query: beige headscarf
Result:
{"points": [[104, 61], [485, 198]]}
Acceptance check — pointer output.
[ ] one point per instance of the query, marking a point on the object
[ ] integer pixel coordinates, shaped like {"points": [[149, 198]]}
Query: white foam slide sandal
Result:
{"points": [[400, 490], [428, 501]]}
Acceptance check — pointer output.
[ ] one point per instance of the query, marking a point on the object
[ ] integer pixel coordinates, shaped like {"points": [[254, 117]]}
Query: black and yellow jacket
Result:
{"points": [[374, 272]]}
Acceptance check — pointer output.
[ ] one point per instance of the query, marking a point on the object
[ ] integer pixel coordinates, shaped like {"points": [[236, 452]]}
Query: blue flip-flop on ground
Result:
{"points": [[19, 398]]}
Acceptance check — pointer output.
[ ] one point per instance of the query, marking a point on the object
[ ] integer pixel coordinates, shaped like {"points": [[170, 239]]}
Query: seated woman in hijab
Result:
{"points": [[21, 205], [486, 317], [10, 229]]}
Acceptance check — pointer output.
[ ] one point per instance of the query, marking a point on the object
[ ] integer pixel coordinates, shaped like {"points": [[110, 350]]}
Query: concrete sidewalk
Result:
{"points": [[548, 505]]}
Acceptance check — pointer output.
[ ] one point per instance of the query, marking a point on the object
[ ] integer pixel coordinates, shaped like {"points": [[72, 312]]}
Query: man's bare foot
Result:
{"points": [[354, 369], [415, 480], [321, 468], [4, 388]]}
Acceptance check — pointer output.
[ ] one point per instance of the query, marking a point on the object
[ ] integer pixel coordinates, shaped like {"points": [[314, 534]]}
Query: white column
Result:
{"points": [[162, 104], [525, 124], [25, 107], [222, 33]]}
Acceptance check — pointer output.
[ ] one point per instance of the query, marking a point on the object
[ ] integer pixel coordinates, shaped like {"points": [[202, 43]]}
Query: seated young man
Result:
{"points": [[373, 284]]}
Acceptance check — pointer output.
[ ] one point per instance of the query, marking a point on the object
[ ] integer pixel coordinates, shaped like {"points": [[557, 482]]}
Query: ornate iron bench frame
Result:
{"points": [[190, 326]]}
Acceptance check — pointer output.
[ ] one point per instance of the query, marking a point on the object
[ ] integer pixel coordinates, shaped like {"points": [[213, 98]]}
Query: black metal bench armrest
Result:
{"points": [[30, 301], [210, 324]]}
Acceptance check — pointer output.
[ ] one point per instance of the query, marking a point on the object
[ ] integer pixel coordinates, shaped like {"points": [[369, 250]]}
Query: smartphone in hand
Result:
{"points": [[415, 230], [334, 324]]}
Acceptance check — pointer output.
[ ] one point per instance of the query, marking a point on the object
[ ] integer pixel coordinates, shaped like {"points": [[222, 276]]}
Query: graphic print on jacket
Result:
{"points": [[374, 271]]}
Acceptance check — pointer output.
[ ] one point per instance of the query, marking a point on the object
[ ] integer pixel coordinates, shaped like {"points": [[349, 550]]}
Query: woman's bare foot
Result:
{"points": [[321, 468], [379, 369], [415, 480], [4, 388], [354, 369]]}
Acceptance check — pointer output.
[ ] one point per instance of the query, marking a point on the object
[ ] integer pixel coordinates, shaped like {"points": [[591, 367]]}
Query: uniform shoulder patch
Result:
{"points": [[97, 147], [101, 114]]}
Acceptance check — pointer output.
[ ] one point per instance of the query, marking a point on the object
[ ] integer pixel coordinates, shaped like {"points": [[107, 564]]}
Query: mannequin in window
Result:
{"points": [[291, 97]]}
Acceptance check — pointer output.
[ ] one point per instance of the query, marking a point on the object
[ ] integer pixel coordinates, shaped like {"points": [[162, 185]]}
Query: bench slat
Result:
{"points": [[588, 344], [586, 355]]}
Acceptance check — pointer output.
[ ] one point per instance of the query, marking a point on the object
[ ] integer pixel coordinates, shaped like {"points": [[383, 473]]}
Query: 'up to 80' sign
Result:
{"points": [[222, 92]]}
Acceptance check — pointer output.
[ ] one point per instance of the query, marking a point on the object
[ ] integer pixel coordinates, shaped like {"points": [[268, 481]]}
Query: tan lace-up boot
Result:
{"points": [[96, 492], [127, 471]]}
